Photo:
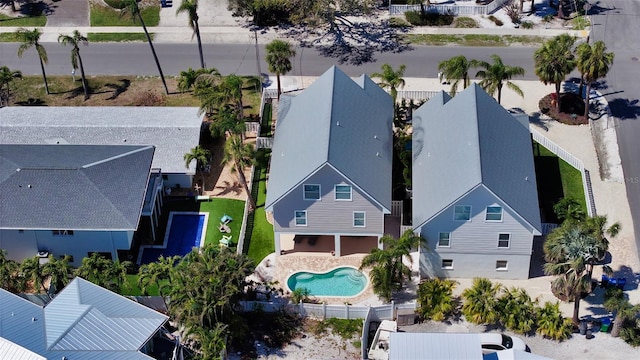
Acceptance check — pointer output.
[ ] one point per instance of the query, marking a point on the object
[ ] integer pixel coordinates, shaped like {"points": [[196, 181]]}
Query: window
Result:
{"points": [[494, 213], [311, 192], [447, 263], [501, 265], [462, 212], [62, 232], [358, 218], [343, 192], [503, 240], [444, 239], [301, 218]]}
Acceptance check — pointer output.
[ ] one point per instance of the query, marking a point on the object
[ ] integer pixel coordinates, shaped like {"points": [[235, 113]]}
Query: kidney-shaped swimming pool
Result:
{"points": [[342, 281]]}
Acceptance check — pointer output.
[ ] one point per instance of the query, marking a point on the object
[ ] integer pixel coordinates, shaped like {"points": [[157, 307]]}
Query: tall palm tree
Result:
{"points": [[495, 75], [131, 7], [201, 156], [191, 8], [75, 40], [29, 39], [157, 274], [279, 54], [58, 272], [480, 305], [104, 272], [391, 79], [6, 77], [457, 69], [225, 122], [571, 252], [593, 63], [240, 155], [30, 273], [554, 61], [8, 272], [230, 91]]}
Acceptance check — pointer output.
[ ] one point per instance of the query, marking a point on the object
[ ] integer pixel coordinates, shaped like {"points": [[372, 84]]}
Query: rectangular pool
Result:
{"points": [[185, 230]]}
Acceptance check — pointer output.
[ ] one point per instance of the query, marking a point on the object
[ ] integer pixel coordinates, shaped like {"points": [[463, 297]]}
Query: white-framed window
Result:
{"points": [[343, 192], [301, 218], [494, 213], [444, 239], [462, 212], [359, 219], [504, 241], [502, 265], [311, 192], [447, 264], [62, 232]]}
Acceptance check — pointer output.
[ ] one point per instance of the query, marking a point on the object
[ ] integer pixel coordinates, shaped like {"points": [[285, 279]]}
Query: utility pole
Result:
{"points": [[255, 34]]}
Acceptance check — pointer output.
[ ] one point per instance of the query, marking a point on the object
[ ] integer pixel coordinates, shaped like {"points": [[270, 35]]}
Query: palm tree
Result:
{"points": [[188, 78], [480, 305], [240, 155], [157, 274], [495, 75], [226, 123], [201, 156], [30, 272], [391, 79], [230, 91], [191, 8], [31, 38], [58, 272], [517, 310], [551, 324], [279, 54], [435, 297], [131, 7], [211, 342], [593, 63], [8, 272], [6, 77], [615, 301], [104, 272], [388, 271], [570, 251], [554, 61], [457, 69], [76, 59]]}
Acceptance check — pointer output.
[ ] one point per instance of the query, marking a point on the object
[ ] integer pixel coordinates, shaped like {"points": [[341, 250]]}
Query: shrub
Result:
{"points": [[150, 98], [496, 20], [428, 19], [551, 324], [396, 22], [465, 22], [572, 108], [513, 11], [526, 25], [517, 310], [435, 297]]}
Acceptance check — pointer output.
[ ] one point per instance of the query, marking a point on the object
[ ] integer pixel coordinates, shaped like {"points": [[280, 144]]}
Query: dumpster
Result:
{"points": [[606, 324]]}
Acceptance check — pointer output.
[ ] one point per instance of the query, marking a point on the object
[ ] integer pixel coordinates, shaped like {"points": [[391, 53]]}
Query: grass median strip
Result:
{"points": [[9, 37], [23, 20], [472, 39], [107, 16], [117, 37]]}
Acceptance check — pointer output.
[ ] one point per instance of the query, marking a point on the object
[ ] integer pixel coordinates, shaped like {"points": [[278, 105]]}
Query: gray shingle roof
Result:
{"points": [[84, 321], [172, 130], [336, 121], [465, 141], [73, 187]]}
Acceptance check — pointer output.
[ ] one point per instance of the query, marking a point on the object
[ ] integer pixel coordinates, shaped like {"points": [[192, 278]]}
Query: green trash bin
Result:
{"points": [[606, 324]]}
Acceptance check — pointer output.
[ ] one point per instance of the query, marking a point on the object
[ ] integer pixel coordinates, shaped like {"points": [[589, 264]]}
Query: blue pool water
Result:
{"points": [[185, 233], [342, 281]]}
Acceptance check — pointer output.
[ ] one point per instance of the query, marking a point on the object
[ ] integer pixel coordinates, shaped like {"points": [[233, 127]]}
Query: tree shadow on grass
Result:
{"points": [[118, 88], [353, 43], [32, 102]]}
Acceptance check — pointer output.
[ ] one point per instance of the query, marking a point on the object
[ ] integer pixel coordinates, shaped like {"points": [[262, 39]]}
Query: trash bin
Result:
{"points": [[605, 281], [583, 327], [621, 283], [606, 324]]}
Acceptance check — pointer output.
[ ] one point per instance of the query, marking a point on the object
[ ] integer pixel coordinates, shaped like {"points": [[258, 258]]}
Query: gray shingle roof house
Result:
{"points": [[331, 160], [172, 130], [71, 199], [84, 321], [474, 187]]}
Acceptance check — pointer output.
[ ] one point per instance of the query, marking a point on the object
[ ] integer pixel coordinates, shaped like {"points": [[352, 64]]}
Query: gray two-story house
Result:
{"points": [[474, 188], [330, 174]]}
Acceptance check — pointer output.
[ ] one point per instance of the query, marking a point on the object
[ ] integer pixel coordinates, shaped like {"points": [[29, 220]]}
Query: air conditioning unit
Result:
{"points": [[44, 257]]}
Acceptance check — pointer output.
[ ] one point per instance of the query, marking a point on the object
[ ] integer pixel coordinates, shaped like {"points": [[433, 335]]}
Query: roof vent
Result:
{"points": [[29, 186], [375, 136], [337, 123], [526, 178], [33, 319], [124, 140], [378, 154]]}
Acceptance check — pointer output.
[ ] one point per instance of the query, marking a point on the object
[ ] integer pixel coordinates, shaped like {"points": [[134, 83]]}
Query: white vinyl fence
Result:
{"points": [[324, 311], [453, 9]]}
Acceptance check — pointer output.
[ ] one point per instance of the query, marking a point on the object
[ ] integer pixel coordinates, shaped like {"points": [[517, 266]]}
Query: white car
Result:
{"points": [[493, 342]]}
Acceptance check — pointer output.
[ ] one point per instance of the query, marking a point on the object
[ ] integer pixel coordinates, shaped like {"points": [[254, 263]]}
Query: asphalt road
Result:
{"points": [[617, 23], [136, 59]]}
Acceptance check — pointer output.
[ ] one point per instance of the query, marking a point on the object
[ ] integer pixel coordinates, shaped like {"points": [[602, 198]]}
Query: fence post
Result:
{"points": [[346, 311], [324, 311], [393, 310]]}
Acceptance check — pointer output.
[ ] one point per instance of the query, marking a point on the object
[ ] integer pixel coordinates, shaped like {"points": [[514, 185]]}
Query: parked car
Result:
{"points": [[492, 342]]}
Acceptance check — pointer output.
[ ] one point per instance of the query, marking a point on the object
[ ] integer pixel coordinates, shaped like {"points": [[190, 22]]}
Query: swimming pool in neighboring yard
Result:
{"points": [[185, 230], [342, 281]]}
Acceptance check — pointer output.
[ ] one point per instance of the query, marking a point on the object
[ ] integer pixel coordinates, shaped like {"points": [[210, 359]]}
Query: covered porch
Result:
{"points": [[324, 244]]}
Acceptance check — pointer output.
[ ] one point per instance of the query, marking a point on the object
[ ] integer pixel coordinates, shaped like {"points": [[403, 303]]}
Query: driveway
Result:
{"points": [[68, 12]]}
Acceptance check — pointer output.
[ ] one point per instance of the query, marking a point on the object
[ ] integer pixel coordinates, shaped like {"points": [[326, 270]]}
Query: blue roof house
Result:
{"points": [[330, 174], [83, 322], [75, 199], [475, 198]]}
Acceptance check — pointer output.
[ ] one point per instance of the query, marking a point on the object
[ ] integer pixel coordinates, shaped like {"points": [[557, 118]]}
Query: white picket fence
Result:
{"points": [[245, 213], [325, 311], [453, 9], [263, 142], [252, 127], [415, 95]]}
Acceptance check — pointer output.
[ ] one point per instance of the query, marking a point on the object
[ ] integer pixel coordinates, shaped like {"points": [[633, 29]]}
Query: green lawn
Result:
{"points": [[9, 37], [25, 21], [472, 39], [216, 208], [117, 37], [107, 16], [261, 243]]}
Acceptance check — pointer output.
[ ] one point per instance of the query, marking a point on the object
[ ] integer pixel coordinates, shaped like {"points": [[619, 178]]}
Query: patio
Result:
{"points": [[323, 245]]}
